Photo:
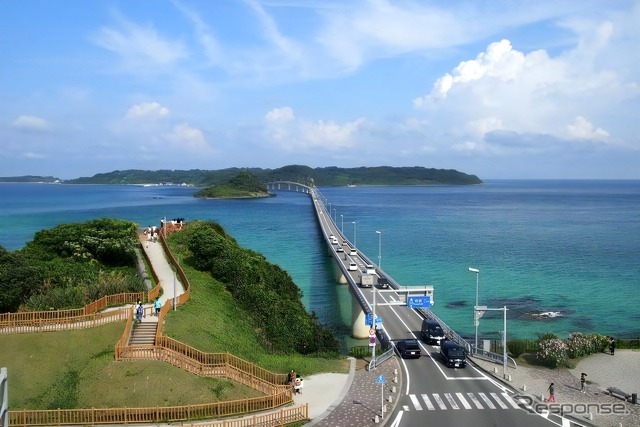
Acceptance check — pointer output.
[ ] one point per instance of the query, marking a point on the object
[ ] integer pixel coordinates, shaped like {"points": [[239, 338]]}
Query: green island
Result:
{"points": [[242, 185], [239, 304], [320, 176]]}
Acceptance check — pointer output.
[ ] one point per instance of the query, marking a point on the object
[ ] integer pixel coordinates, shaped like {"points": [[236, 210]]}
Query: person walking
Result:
{"points": [[139, 310], [612, 346], [583, 379], [552, 396], [157, 305]]}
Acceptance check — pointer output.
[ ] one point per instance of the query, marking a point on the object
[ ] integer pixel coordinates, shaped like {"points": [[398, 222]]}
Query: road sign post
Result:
{"points": [[382, 381]]}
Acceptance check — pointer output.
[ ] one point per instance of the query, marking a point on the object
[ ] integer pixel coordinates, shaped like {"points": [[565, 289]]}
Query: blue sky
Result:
{"points": [[500, 89]]}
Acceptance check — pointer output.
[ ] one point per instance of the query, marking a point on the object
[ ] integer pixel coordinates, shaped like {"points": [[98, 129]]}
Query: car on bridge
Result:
{"points": [[353, 266], [408, 349], [353, 251]]}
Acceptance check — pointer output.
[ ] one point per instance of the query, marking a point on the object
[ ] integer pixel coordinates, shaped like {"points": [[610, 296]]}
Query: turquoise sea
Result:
{"points": [[571, 247]]}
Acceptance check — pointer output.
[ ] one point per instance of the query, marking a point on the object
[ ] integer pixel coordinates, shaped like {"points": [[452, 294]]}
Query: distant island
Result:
{"points": [[31, 178], [241, 186], [323, 177]]}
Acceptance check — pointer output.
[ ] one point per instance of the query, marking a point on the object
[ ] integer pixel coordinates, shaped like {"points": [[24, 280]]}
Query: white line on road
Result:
{"points": [[416, 402], [396, 422], [475, 400], [497, 399], [487, 401], [439, 401], [452, 402], [463, 401], [428, 402]]}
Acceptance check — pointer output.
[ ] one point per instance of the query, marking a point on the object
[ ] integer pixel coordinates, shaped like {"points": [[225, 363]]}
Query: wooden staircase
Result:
{"points": [[144, 333]]}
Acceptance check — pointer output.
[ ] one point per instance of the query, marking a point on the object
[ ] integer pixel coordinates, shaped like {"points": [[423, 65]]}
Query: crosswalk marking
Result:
{"points": [[439, 401], [510, 401], [486, 400], [428, 402], [452, 402], [475, 400], [459, 400], [463, 401], [416, 403], [495, 397]]}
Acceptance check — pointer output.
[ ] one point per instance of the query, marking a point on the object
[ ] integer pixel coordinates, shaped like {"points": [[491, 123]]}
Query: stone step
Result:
{"points": [[144, 334]]}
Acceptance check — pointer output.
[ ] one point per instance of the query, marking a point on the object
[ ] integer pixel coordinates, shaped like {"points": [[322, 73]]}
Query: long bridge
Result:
{"points": [[452, 396]]}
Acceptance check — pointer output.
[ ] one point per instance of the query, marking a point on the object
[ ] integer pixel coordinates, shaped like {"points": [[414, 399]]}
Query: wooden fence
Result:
{"points": [[220, 365], [167, 414]]}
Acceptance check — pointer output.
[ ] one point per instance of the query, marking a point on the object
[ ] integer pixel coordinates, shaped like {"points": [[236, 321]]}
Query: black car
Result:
{"points": [[408, 349]]}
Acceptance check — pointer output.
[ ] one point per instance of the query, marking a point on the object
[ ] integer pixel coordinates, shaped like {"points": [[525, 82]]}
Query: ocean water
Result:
{"points": [[570, 247]]}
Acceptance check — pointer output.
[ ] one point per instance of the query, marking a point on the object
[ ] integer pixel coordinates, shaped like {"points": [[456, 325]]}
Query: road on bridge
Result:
{"points": [[447, 396]]}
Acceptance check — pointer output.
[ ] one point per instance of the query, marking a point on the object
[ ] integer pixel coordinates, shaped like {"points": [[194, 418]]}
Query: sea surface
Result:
{"points": [[571, 248]]}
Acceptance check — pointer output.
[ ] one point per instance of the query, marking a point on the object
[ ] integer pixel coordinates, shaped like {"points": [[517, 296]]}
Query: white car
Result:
{"points": [[353, 266]]}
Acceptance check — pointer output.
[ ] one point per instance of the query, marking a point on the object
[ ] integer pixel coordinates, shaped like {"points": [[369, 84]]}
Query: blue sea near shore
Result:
{"points": [[567, 247]]}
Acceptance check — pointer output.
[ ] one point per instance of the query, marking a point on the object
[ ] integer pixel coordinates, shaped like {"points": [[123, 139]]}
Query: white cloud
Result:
{"points": [[283, 114], [290, 133], [31, 123], [140, 48], [147, 110], [32, 155], [581, 128], [185, 137]]}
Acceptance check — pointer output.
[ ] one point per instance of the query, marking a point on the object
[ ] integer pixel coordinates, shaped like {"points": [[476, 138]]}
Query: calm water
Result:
{"points": [[565, 246]]}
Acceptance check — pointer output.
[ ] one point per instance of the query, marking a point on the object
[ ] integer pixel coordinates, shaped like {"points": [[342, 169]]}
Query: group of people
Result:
{"points": [[152, 234], [138, 309], [295, 381]]}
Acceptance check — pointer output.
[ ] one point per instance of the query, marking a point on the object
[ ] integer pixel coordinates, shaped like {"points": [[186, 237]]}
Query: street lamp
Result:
{"points": [[475, 319], [341, 224], [379, 249], [354, 234], [334, 215]]}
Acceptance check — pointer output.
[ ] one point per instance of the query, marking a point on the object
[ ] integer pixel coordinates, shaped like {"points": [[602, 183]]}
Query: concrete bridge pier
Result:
{"points": [[358, 329]]}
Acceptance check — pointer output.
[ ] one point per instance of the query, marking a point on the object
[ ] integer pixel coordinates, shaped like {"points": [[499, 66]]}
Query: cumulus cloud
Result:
{"points": [[31, 123], [524, 94], [284, 129], [147, 110], [581, 128], [185, 137]]}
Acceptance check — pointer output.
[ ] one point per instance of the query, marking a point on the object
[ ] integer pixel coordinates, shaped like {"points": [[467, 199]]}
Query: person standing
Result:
{"points": [[612, 346], [552, 396], [583, 379]]}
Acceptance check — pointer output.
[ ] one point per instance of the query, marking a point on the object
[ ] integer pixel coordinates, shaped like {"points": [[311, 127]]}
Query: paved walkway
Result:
{"points": [[168, 279], [603, 371]]}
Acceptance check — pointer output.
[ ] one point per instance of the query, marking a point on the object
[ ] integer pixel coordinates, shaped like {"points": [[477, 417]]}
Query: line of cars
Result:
{"points": [[452, 354]]}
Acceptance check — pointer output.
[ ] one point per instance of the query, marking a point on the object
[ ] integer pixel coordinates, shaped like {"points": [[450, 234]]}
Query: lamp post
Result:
{"points": [[335, 215], [379, 233], [354, 234], [475, 319], [341, 224]]}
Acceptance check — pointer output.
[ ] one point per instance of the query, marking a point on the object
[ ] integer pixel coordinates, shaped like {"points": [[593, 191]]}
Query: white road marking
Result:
{"points": [[452, 402], [510, 401], [486, 400], [497, 399], [475, 400], [439, 401], [463, 401], [416, 402], [428, 402], [396, 422]]}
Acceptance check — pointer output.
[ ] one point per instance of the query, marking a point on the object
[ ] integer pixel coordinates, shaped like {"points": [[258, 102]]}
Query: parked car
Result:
{"points": [[408, 349]]}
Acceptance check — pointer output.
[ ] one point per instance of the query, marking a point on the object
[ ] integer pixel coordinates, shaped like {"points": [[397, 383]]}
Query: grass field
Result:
{"points": [[76, 369], [211, 321]]}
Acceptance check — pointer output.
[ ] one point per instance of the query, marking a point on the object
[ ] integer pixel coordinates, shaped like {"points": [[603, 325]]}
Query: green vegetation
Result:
{"points": [[245, 306], [76, 369], [242, 185], [70, 266], [328, 176], [29, 178]]}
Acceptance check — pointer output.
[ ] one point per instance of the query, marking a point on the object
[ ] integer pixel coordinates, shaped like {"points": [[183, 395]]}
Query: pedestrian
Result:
{"points": [[552, 397], [583, 379], [139, 311], [157, 305], [612, 346], [293, 377]]}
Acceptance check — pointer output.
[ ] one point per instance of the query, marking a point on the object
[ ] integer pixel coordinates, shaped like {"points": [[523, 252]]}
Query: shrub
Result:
{"points": [[552, 352]]}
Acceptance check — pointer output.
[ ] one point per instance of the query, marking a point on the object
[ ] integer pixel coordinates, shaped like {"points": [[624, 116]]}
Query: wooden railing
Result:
{"points": [[168, 414], [220, 365]]}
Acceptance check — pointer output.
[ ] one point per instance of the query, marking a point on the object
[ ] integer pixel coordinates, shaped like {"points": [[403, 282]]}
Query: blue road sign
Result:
{"points": [[381, 380], [419, 302], [369, 319]]}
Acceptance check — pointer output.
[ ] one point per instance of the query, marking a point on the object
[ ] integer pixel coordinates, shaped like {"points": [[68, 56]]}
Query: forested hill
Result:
{"points": [[324, 177]]}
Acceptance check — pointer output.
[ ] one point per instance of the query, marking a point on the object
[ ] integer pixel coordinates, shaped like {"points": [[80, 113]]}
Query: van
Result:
{"points": [[454, 355], [432, 332], [353, 266]]}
